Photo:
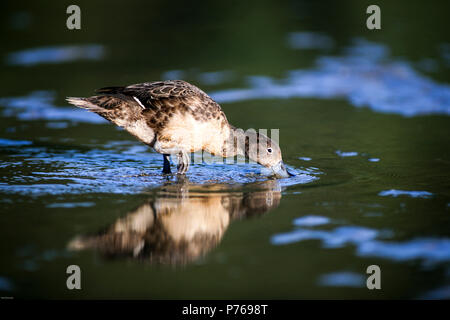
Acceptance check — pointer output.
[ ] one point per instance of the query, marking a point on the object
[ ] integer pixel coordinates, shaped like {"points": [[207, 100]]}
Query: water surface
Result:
{"points": [[364, 123]]}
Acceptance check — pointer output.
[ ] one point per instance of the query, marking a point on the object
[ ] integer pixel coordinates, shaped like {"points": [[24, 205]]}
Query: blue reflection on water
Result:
{"points": [[39, 105], [309, 221], [365, 74], [71, 205], [412, 194], [346, 154], [55, 54], [342, 279], [331, 239], [430, 250], [17, 143]]}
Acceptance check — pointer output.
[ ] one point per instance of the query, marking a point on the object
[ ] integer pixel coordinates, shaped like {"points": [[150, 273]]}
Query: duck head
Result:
{"points": [[261, 149], [268, 154]]}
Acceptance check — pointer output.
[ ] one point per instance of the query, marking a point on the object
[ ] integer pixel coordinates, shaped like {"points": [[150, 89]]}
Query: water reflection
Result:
{"points": [[182, 223], [55, 54]]}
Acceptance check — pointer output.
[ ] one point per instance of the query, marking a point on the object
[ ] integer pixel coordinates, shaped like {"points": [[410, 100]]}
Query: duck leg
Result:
{"points": [[166, 168], [183, 162]]}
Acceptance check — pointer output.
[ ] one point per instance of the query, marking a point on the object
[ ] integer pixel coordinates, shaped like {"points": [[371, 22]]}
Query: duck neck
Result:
{"points": [[235, 144]]}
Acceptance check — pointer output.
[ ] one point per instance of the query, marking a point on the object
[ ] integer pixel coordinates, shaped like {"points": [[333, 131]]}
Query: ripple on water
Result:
{"points": [[124, 167]]}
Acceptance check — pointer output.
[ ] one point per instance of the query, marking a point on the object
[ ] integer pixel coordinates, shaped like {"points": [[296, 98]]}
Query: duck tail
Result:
{"points": [[85, 103]]}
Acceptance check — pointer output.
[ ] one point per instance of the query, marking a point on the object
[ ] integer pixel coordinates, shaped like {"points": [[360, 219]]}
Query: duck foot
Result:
{"points": [[183, 162], [166, 167]]}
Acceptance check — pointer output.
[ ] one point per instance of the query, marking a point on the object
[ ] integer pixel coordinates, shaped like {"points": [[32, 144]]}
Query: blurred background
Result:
{"points": [[363, 118]]}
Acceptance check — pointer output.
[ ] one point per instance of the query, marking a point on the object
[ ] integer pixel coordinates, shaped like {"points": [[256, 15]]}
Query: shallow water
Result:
{"points": [[364, 124]]}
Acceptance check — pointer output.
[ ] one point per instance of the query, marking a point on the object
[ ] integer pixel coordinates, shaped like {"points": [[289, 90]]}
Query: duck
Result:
{"points": [[176, 118]]}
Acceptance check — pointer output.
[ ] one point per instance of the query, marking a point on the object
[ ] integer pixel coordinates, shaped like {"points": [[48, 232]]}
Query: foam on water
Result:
{"points": [[365, 75]]}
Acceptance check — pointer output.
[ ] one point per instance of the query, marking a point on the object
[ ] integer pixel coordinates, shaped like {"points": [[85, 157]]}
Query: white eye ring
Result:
{"points": [[269, 150]]}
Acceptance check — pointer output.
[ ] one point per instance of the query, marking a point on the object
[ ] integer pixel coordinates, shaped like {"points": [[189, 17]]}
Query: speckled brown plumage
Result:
{"points": [[160, 100]]}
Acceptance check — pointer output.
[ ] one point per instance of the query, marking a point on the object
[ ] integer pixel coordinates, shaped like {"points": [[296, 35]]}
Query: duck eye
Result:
{"points": [[269, 150]]}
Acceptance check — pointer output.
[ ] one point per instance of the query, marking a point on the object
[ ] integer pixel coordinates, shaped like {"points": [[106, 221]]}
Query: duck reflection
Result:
{"points": [[182, 223]]}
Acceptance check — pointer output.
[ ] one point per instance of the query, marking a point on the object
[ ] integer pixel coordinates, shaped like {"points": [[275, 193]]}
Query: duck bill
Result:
{"points": [[280, 170]]}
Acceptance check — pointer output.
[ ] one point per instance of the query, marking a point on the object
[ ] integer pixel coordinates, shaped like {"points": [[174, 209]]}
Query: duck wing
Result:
{"points": [[167, 97], [156, 90]]}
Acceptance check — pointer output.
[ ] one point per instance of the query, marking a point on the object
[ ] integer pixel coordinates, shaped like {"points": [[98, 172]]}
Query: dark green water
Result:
{"points": [[363, 118]]}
